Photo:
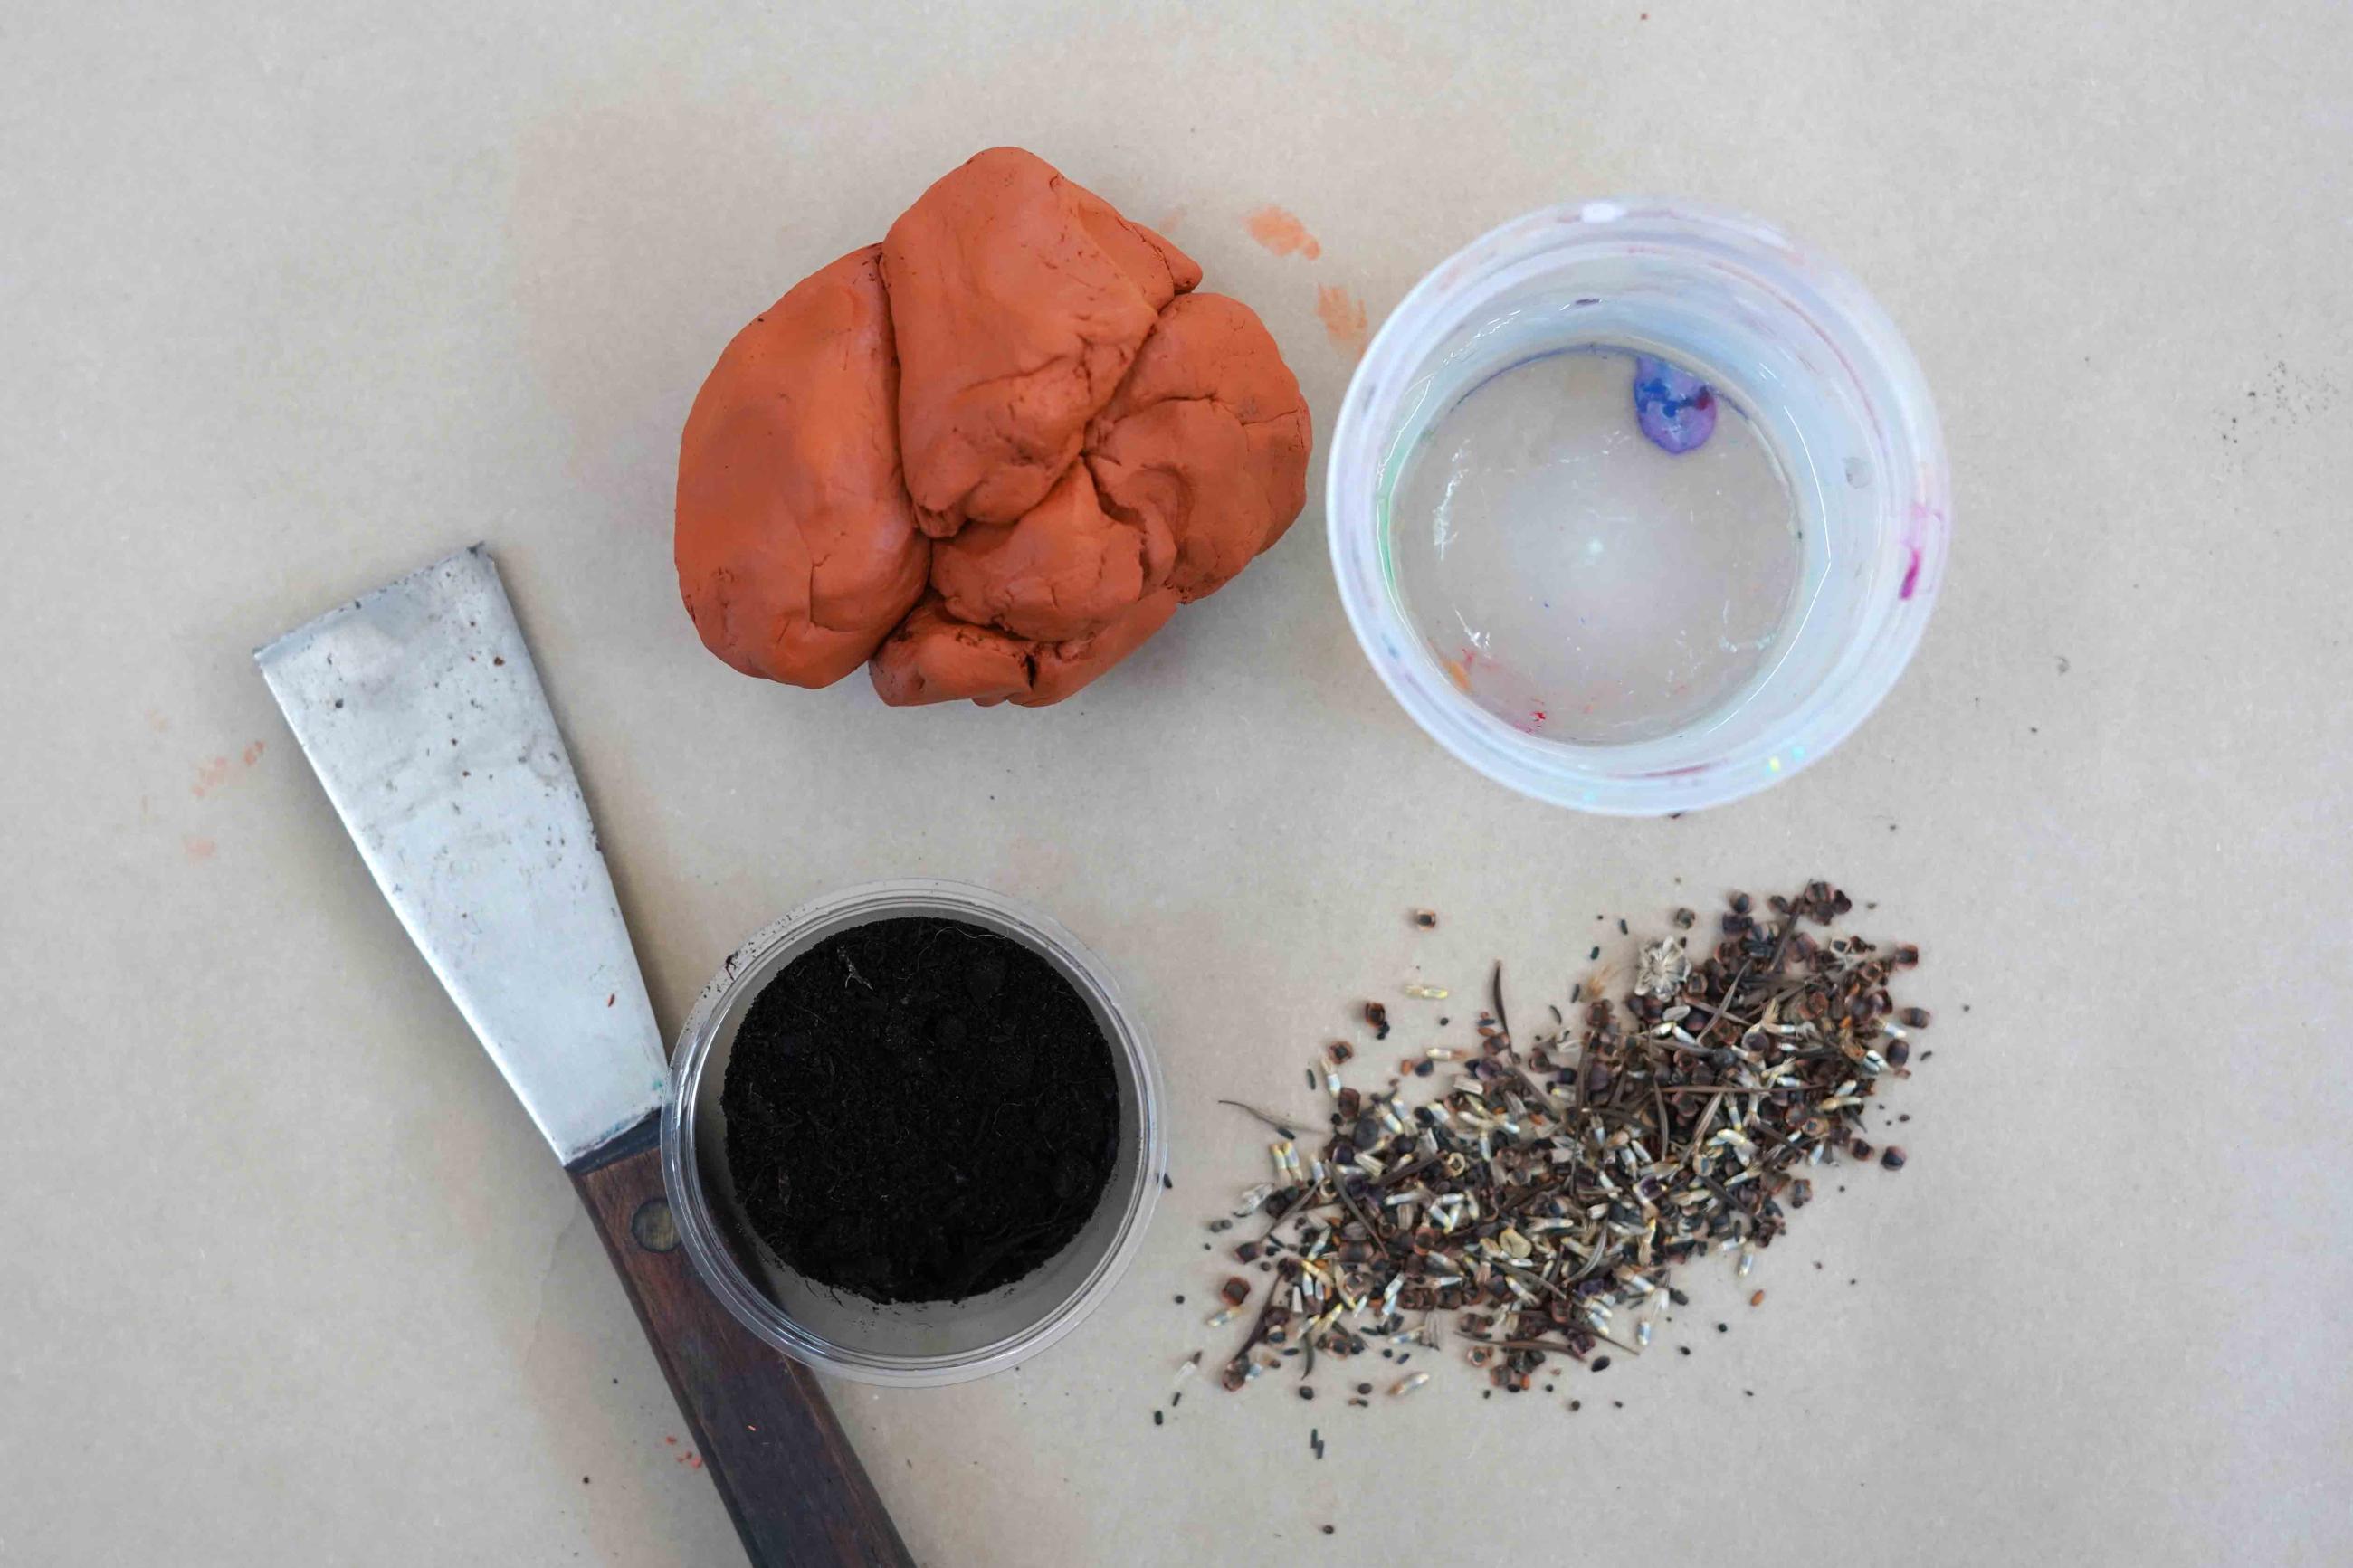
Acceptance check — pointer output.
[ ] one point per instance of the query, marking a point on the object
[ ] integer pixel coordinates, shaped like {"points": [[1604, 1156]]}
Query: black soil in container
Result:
{"points": [[919, 1109]]}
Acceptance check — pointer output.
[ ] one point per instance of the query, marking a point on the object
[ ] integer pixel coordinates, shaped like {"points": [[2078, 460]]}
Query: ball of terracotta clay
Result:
{"points": [[992, 455]]}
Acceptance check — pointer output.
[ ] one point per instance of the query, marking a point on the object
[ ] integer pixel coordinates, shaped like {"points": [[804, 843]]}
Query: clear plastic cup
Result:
{"points": [[1804, 353], [909, 1343]]}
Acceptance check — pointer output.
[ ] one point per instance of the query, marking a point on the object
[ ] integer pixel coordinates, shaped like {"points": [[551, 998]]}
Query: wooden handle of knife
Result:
{"points": [[792, 1484]]}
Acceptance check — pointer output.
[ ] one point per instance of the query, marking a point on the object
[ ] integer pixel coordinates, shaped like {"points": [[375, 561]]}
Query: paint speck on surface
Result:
{"points": [[1342, 315], [198, 850], [253, 754], [1280, 232], [210, 775], [1910, 574], [1170, 219], [158, 720], [1675, 408]]}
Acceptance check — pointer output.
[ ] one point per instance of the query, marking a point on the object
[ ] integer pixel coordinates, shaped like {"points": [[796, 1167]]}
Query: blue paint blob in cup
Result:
{"points": [[1675, 408]]}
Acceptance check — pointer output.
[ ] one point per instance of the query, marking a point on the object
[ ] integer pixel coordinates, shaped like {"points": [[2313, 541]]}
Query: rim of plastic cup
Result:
{"points": [[746, 969], [1613, 779]]}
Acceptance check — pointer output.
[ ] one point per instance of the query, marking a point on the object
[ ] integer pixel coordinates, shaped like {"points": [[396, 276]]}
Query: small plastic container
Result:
{"points": [[903, 1343], [1816, 366]]}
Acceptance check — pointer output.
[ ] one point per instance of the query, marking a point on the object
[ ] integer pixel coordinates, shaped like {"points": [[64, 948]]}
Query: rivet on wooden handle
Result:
{"points": [[792, 1483]]}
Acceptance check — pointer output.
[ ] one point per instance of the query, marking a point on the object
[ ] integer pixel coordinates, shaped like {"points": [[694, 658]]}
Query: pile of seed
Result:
{"points": [[1544, 1197]]}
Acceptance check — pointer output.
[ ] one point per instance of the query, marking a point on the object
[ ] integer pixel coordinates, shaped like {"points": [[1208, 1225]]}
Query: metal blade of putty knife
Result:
{"points": [[420, 709]]}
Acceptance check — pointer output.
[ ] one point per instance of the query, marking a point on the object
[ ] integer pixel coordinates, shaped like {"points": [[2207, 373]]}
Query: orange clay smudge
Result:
{"points": [[1343, 317], [1281, 232]]}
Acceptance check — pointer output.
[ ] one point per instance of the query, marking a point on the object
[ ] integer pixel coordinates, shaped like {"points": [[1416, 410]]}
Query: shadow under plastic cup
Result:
{"points": [[909, 1343], [1825, 378]]}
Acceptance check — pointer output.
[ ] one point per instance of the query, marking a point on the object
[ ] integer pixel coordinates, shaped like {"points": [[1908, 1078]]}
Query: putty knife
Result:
{"points": [[419, 707]]}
